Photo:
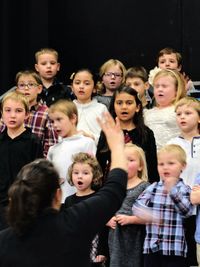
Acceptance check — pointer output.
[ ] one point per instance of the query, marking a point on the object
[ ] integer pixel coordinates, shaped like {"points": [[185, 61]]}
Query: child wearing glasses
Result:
{"points": [[28, 82], [83, 86], [112, 74], [18, 145], [47, 66]]}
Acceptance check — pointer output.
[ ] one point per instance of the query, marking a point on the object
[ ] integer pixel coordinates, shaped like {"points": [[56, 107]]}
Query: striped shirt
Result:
{"points": [[167, 235]]}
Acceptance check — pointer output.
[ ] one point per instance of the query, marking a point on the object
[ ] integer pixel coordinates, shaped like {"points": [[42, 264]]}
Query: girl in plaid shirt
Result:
{"points": [[164, 205]]}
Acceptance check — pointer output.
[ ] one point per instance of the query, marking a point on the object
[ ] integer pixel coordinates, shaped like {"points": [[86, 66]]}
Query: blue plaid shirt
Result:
{"points": [[166, 236]]}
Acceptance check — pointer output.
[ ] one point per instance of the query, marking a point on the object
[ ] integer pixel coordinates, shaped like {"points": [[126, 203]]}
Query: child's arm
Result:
{"points": [[50, 137], [195, 195], [180, 195], [112, 222], [140, 208], [123, 219]]}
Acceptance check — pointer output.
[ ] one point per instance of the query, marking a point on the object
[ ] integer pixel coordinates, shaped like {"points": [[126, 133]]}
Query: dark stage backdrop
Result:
{"points": [[88, 32]]}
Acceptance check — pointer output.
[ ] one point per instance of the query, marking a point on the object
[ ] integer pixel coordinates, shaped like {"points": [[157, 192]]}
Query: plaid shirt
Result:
{"points": [[166, 236], [40, 124]]}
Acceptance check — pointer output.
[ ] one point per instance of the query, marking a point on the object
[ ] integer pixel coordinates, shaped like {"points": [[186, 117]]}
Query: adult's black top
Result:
{"points": [[63, 239]]}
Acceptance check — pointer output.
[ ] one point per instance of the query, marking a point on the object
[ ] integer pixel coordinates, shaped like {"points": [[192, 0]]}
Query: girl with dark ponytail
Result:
{"points": [[32, 194]]}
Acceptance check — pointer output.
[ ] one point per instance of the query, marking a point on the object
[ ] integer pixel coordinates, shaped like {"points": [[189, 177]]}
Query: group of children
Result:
{"points": [[44, 118]]}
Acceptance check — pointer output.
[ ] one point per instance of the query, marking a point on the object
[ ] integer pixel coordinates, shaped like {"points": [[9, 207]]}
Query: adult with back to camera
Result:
{"points": [[40, 235]]}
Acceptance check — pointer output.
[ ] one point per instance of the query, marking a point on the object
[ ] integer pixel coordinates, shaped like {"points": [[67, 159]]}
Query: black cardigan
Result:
{"points": [[148, 145]]}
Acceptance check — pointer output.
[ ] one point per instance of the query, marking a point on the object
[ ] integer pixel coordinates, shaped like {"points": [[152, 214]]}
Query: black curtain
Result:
{"points": [[86, 33]]}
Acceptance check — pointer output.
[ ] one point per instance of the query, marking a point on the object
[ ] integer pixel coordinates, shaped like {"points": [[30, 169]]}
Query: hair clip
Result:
{"points": [[72, 76]]}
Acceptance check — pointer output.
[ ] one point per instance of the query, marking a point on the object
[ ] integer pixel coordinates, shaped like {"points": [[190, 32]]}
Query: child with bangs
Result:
{"points": [[18, 145], [188, 119], [112, 75], [127, 107], [164, 205], [86, 175], [64, 117], [126, 234], [84, 87], [137, 78], [169, 87], [47, 65]]}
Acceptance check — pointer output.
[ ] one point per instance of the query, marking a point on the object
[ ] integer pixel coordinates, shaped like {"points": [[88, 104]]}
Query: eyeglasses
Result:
{"points": [[22, 86], [115, 74]]}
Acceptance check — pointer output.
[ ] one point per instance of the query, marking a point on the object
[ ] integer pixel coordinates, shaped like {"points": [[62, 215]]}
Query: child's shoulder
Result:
{"points": [[98, 104]]}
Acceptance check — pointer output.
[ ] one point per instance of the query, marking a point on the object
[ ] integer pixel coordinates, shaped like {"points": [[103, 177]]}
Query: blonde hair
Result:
{"points": [[109, 63], [177, 150], [190, 102], [67, 107], [141, 155], [46, 50], [18, 97], [178, 79], [86, 158]]}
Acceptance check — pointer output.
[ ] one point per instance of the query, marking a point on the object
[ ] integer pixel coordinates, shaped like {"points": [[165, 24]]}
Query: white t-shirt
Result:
{"points": [[87, 115], [61, 156]]}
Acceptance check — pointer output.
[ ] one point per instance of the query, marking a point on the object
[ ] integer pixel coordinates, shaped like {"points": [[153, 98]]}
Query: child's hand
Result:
{"points": [[112, 130], [196, 187], [100, 258], [112, 223], [123, 219], [170, 182]]}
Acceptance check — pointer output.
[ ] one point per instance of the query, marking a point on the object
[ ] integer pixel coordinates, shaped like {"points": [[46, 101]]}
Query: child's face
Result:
{"points": [[134, 164], [169, 61], [47, 66], [125, 107], [62, 124], [13, 114], [82, 176], [28, 86], [169, 165], [112, 78], [188, 119], [138, 84], [83, 86], [164, 90]]}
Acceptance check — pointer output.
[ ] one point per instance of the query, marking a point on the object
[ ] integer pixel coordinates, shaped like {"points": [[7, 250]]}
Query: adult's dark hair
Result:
{"points": [[138, 119], [31, 194]]}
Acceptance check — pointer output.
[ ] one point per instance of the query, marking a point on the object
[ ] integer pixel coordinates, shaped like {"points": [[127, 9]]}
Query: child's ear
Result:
{"points": [[94, 91], [146, 85], [138, 108], [40, 88], [179, 68], [183, 167], [27, 115], [36, 67], [74, 119], [58, 66]]}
